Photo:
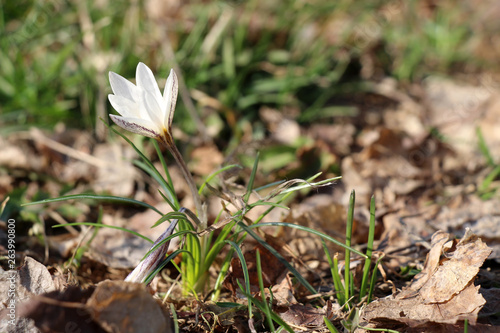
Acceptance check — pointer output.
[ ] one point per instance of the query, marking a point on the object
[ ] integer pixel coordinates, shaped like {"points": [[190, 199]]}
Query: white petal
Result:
{"points": [[143, 110], [122, 87], [136, 125], [124, 106], [170, 97], [153, 109], [146, 80]]}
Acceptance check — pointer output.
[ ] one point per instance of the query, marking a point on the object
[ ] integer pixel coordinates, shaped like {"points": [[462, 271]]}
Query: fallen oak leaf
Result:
{"points": [[120, 306], [413, 311], [456, 273], [417, 305]]}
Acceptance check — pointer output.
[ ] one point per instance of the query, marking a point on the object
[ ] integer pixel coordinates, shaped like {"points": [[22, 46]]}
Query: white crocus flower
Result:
{"points": [[142, 107], [144, 110]]}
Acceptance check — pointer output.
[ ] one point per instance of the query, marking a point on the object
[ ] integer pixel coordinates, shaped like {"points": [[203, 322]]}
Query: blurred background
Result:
{"points": [[309, 59], [308, 83]]}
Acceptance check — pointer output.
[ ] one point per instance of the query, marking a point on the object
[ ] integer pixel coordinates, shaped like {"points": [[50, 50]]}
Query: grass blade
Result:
{"points": [[222, 275], [348, 235], [330, 326], [252, 179], [245, 274], [373, 280], [489, 179], [369, 250], [174, 317], [108, 198], [483, 147], [337, 282], [153, 172], [100, 225], [262, 293], [170, 216]]}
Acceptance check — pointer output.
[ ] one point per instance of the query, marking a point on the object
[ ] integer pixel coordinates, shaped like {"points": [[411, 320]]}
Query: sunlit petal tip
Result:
{"points": [[172, 72], [170, 96], [121, 86], [114, 77], [146, 80]]}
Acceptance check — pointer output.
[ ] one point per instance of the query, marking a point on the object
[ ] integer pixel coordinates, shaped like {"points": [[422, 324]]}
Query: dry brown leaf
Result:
{"points": [[13, 156], [456, 109], [482, 217], [119, 249], [411, 309], [127, 307], [456, 272], [490, 122], [33, 286], [283, 292], [338, 137], [31, 279], [443, 293]]}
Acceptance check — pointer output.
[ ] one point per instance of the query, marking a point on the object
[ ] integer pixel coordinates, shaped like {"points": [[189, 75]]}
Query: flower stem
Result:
{"points": [[190, 181]]}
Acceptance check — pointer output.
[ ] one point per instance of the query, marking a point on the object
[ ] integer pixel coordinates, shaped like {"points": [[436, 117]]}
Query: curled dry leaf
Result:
{"points": [[437, 243], [443, 292], [457, 272], [127, 307]]}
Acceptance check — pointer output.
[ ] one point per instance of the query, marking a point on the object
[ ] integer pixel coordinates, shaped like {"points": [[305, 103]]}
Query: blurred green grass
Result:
{"points": [[55, 55]]}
